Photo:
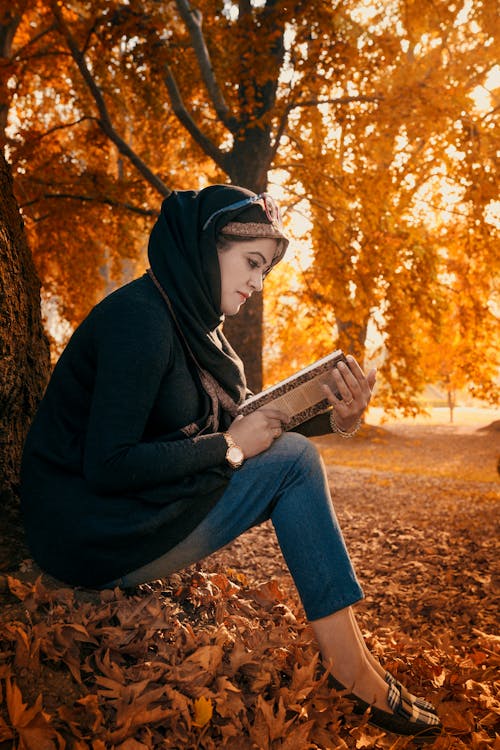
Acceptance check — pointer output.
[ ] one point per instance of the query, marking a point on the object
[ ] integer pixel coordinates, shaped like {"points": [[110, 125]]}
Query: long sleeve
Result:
{"points": [[133, 359], [108, 481]]}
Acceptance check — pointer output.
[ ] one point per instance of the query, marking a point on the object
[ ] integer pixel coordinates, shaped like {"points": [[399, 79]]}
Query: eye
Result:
{"points": [[253, 264]]}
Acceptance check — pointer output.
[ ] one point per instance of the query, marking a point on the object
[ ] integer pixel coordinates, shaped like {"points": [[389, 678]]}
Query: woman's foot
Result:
{"points": [[387, 676], [354, 670], [403, 716]]}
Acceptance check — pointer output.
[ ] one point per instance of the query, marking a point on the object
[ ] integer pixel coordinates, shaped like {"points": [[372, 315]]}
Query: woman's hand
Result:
{"points": [[355, 389], [256, 432]]}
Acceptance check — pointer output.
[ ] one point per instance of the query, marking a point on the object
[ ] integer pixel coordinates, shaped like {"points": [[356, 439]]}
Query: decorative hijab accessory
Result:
{"points": [[271, 209]]}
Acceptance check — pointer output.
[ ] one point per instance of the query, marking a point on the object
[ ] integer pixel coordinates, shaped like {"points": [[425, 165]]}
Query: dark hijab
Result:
{"points": [[185, 262]]}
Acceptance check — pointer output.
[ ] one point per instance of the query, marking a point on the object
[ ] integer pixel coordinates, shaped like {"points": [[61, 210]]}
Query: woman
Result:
{"points": [[137, 465]]}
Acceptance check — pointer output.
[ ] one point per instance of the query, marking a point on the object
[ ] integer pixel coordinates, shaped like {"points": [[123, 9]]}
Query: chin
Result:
{"points": [[231, 309]]}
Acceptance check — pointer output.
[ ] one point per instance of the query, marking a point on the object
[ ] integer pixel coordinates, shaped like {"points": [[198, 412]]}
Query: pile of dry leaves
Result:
{"points": [[220, 655]]}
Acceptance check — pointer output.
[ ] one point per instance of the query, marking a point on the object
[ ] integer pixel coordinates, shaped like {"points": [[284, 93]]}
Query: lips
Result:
{"points": [[244, 296]]}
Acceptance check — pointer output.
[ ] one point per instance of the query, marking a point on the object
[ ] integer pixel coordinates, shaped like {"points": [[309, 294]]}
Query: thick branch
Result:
{"points": [[104, 118], [193, 20], [185, 118]]}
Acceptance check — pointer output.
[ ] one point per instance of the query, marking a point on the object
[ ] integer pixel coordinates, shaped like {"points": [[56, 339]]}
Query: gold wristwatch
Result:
{"points": [[234, 454]]}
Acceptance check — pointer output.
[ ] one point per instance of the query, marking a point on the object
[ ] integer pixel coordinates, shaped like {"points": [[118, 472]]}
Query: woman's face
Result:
{"points": [[242, 267]]}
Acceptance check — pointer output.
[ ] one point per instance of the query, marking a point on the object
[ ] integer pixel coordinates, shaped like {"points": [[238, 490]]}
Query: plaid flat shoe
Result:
{"points": [[408, 719], [420, 702]]}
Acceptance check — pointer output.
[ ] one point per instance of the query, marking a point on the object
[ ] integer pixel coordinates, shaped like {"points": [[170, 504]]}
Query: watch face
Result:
{"points": [[235, 456]]}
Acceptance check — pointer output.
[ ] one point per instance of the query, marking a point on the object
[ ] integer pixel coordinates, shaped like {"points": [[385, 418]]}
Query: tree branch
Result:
{"points": [[336, 100], [8, 28], [180, 111], [279, 133], [66, 125], [89, 199], [104, 120], [314, 103], [193, 19], [34, 39]]}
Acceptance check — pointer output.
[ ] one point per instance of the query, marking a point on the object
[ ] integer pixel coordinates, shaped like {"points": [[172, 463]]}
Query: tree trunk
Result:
{"points": [[451, 402], [352, 336], [24, 354], [244, 330]]}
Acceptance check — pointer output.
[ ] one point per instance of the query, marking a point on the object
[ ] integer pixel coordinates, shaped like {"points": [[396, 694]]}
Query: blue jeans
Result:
{"points": [[287, 483]]}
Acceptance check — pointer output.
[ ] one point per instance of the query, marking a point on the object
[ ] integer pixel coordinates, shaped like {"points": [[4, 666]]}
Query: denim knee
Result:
{"points": [[297, 444], [302, 452]]}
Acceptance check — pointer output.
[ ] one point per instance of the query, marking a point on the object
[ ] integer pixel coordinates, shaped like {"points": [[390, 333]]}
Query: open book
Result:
{"points": [[300, 396]]}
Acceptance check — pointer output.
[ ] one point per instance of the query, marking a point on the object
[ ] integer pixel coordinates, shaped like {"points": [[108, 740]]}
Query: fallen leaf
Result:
{"points": [[203, 710]]}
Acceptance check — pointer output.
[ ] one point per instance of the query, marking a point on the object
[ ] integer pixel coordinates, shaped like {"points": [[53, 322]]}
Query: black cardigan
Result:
{"points": [[109, 482]]}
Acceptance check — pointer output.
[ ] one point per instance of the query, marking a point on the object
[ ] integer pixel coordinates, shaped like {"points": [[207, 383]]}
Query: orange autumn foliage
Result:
{"points": [[111, 106]]}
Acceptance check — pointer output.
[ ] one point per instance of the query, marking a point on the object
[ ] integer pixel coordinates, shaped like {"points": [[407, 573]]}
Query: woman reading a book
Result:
{"points": [[137, 463]]}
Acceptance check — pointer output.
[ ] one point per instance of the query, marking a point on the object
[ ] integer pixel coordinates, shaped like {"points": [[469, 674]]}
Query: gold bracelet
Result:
{"points": [[336, 429]]}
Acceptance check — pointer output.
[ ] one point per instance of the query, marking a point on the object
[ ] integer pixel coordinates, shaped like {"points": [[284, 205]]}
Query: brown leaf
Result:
{"points": [[199, 669], [31, 724], [19, 589], [273, 719], [267, 594], [229, 700], [298, 737]]}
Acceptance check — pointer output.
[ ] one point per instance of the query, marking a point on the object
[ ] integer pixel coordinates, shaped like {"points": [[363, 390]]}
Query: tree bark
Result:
{"points": [[245, 330], [24, 352]]}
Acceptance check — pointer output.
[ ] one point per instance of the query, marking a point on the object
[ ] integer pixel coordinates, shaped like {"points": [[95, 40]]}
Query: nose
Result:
{"points": [[256, 281]]}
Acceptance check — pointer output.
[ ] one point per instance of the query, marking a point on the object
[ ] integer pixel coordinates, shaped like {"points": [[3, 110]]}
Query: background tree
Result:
{"points": [[385, 256], [235, 92], [216, 90]]}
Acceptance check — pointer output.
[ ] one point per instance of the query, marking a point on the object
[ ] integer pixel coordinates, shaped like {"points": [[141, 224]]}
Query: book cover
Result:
{"points": [[299, 396]]}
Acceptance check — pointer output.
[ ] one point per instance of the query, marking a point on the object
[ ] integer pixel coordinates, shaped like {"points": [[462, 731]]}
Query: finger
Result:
{"points": [[352, 372], [331, 396], [274, 413], [354, 369], [347, 384], [362, 381], [274, 424]]}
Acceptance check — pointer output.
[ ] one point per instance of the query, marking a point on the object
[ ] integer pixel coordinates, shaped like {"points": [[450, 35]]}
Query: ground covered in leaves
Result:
{"points": [[220, 655]]}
